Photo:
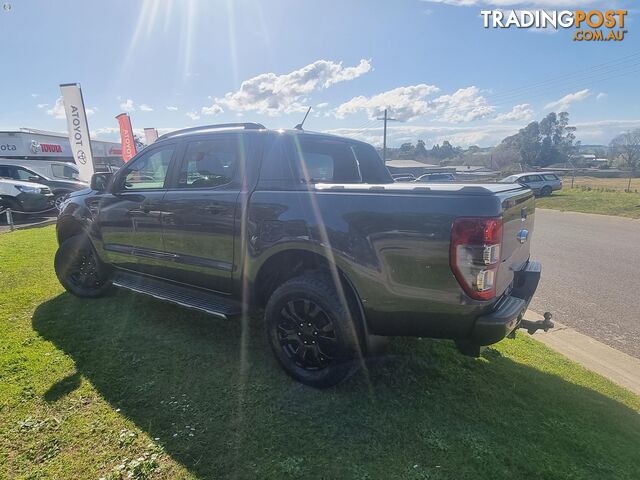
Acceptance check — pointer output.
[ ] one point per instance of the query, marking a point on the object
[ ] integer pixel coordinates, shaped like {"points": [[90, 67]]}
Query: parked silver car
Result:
{"points": [[542, 184]]}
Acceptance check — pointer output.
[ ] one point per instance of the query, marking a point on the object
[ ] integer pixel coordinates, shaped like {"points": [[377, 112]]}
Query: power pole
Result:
{"points": [[384, 138]]}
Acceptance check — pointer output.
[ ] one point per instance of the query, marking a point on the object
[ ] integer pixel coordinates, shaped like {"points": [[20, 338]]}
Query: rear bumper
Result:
{"points": [[494, 326]]}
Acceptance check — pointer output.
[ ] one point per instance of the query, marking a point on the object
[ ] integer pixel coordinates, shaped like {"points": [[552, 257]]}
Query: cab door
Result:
{"points": [[535, 183], [200, 211], [129, 217]]}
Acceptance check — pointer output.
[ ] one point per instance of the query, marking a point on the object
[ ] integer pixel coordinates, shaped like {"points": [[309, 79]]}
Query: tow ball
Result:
{"points": [[532, 327]]}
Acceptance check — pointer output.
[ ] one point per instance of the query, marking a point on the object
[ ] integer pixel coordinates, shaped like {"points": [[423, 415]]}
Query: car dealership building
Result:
{"points": [[31, 144]]}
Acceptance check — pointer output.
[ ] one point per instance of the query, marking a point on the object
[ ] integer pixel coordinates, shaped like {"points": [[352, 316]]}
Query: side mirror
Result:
{"points": [[101, 181], [35, 179]]}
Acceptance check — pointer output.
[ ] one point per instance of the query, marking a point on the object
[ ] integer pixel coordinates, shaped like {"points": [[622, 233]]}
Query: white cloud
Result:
{"points": [[601, 96], [193, 115], [113, 133], [465, 105], [518, 112], [146, 108], [42, 105], [127, 106], [322, 105], [405, 103], [565, 102], [273, 94], [408, 103], [484, 135], [212, 110], [35, 95], [172, 108], [57, 111]]}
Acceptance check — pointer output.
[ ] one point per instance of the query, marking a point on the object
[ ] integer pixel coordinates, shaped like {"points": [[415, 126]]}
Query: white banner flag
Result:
{"points": [[78, 129], [151, 135]]}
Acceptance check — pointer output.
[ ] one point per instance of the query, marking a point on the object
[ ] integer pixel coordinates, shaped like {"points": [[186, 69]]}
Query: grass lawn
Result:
{"points": [[617, 184], [125, 385], [596, 200]]}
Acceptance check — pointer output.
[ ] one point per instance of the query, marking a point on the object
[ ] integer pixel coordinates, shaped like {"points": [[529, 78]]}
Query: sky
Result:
{"points": [[442, 76]]}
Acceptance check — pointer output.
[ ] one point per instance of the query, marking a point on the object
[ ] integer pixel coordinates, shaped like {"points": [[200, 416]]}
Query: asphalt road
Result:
{"points": [[590, 275]]}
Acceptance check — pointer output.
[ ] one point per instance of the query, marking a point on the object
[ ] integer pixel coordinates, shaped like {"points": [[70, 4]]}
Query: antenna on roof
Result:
{"points": [[299, 126]]}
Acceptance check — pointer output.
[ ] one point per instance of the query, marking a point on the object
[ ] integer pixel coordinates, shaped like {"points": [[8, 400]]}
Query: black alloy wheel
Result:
{"points": [[79, 269], [307, 334], [314, 336]]}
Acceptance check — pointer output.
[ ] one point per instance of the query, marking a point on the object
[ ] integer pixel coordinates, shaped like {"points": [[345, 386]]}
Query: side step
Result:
{"points": [[201, 300]]}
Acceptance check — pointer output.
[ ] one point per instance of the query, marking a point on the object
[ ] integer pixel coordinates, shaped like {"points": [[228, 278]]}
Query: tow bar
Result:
{"points": [[532, 327]]}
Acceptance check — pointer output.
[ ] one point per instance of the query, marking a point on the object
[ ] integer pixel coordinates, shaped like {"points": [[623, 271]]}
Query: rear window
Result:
{"points": [[550, 177], [336, 161], [64, 171]]}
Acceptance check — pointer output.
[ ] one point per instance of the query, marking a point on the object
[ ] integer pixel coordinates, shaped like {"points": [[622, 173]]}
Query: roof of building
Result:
{"points": [[408, 164]]}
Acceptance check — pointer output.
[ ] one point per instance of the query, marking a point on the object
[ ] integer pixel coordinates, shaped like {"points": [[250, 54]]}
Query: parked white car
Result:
{"points": [[26, 197], [542, 184], [50, 169]]}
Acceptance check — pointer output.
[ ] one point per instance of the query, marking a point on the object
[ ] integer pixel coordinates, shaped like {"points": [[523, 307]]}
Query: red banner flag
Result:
{"points": [[126, 134]]}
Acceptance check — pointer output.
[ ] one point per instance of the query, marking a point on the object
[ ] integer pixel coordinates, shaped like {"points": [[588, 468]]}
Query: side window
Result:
{"points": [[149, 170], [209, 163], [372, 168], [276, 163], [550, 177], [326, 160], [5, 172], [24, 175], [64, 171], [535, 178]]}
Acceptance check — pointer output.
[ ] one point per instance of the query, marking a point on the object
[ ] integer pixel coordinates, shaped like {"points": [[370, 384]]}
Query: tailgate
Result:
{"points": [[518, 212]]}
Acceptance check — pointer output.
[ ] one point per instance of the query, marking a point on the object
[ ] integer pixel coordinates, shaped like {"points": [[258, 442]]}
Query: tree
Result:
{"points": [[407, 151], [543, 143], [626, 147], [421, 150]]}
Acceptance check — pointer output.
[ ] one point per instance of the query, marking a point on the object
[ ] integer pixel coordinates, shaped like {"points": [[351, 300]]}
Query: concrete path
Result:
{"points": [[613, 364]]}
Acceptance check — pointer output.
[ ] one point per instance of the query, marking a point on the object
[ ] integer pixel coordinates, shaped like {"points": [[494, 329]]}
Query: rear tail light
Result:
{"points": [[475, 255]]}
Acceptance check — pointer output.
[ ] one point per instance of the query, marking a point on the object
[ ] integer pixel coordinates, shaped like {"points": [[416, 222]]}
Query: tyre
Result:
{"points": [[58, 199], [312, 334], [546, 191], [79, 270]]}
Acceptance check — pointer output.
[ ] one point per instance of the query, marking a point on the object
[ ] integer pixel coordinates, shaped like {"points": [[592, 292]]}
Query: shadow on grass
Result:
{"points": [[422, 412]]}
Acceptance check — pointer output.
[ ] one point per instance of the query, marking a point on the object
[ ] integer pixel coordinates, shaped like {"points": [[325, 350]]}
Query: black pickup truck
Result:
{"points": [[311, 228]]}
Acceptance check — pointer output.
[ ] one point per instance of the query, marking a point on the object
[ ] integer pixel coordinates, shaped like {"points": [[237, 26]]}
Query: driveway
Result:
{"points": [[590, 275]]}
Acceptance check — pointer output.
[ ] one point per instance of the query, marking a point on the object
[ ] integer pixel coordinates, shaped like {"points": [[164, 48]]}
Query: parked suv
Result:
{"points": [[312, 229], [436, 178], [52, 169], [542, 184], [59, 188], [24, 197]]}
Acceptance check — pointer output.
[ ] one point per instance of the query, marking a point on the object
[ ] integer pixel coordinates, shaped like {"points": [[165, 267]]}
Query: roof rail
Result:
{"points": [[246, 126]]}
